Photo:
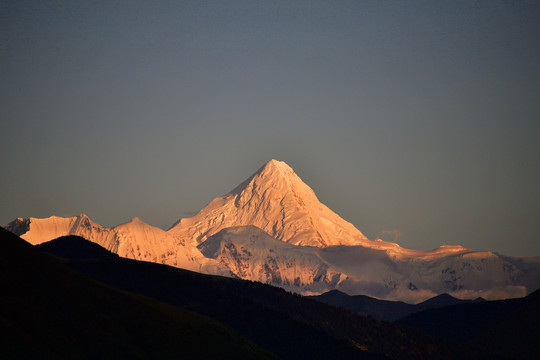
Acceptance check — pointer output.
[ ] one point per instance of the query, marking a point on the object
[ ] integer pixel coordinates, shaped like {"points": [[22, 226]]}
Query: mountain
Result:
{"points": [[392, 274], [134, 239], [414, 276], [50, 310], [507, 328], [75, 247], [250, 253], [277, 201], [284, 324], [272, 228], [383, 309]]}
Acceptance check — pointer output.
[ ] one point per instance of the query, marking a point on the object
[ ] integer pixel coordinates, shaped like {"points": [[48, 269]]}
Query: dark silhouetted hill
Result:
{"points": [[287, 325], [508, 328], [76, 247], [383, 309], [48, 310]]}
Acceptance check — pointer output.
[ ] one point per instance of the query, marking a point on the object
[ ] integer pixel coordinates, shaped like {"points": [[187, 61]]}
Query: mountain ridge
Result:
{"points": [[384, 309], [301, 244], [133, 239]]}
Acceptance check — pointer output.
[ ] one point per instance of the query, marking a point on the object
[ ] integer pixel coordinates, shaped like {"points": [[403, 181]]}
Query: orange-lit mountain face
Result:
{"points": [[277, 201], [273, 229], [134, 239]]}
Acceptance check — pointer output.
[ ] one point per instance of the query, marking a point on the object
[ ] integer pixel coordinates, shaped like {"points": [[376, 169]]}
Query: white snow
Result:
{"points": [[134, 239], [252, 254], [276, 200]]}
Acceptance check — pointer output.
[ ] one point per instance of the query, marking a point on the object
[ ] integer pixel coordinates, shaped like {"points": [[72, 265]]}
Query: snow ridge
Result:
{"points": [[134, 239]]}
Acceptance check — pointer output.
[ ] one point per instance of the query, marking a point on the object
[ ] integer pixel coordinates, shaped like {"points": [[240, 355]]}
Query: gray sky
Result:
{"points": [[419, 120]]}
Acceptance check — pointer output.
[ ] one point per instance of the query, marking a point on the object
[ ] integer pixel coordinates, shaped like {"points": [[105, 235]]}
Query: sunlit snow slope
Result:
{"points": [[252, 254], [277, 201], [134, 239], [409, 275]]}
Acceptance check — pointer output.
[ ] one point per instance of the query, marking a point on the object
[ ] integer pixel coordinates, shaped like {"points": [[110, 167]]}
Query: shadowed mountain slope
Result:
{"points": [[509, 328], [76, 247], [287, 325], [48, 310]]}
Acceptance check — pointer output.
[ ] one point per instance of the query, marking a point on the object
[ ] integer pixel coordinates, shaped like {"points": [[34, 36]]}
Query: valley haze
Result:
{"points": [[272, 228]]}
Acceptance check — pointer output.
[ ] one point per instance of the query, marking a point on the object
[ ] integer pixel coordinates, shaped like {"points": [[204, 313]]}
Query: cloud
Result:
{"points": [[409, 296], [496, 293], [395, 234]]}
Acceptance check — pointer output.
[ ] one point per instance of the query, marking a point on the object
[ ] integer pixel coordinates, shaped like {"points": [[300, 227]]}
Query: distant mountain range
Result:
{"points": [[273, 229], [490, 324], [384, 309]]}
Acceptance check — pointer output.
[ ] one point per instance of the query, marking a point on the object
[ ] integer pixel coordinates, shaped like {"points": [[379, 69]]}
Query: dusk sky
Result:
{"points": [[417, 121]]}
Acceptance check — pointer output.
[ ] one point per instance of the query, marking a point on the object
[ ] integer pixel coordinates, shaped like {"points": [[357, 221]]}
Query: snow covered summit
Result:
{"points": [[277, 201]]}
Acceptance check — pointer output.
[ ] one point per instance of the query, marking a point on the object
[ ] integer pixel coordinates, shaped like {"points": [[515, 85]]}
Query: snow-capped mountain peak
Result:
{"points": [[276, 200], [276, 175]]}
